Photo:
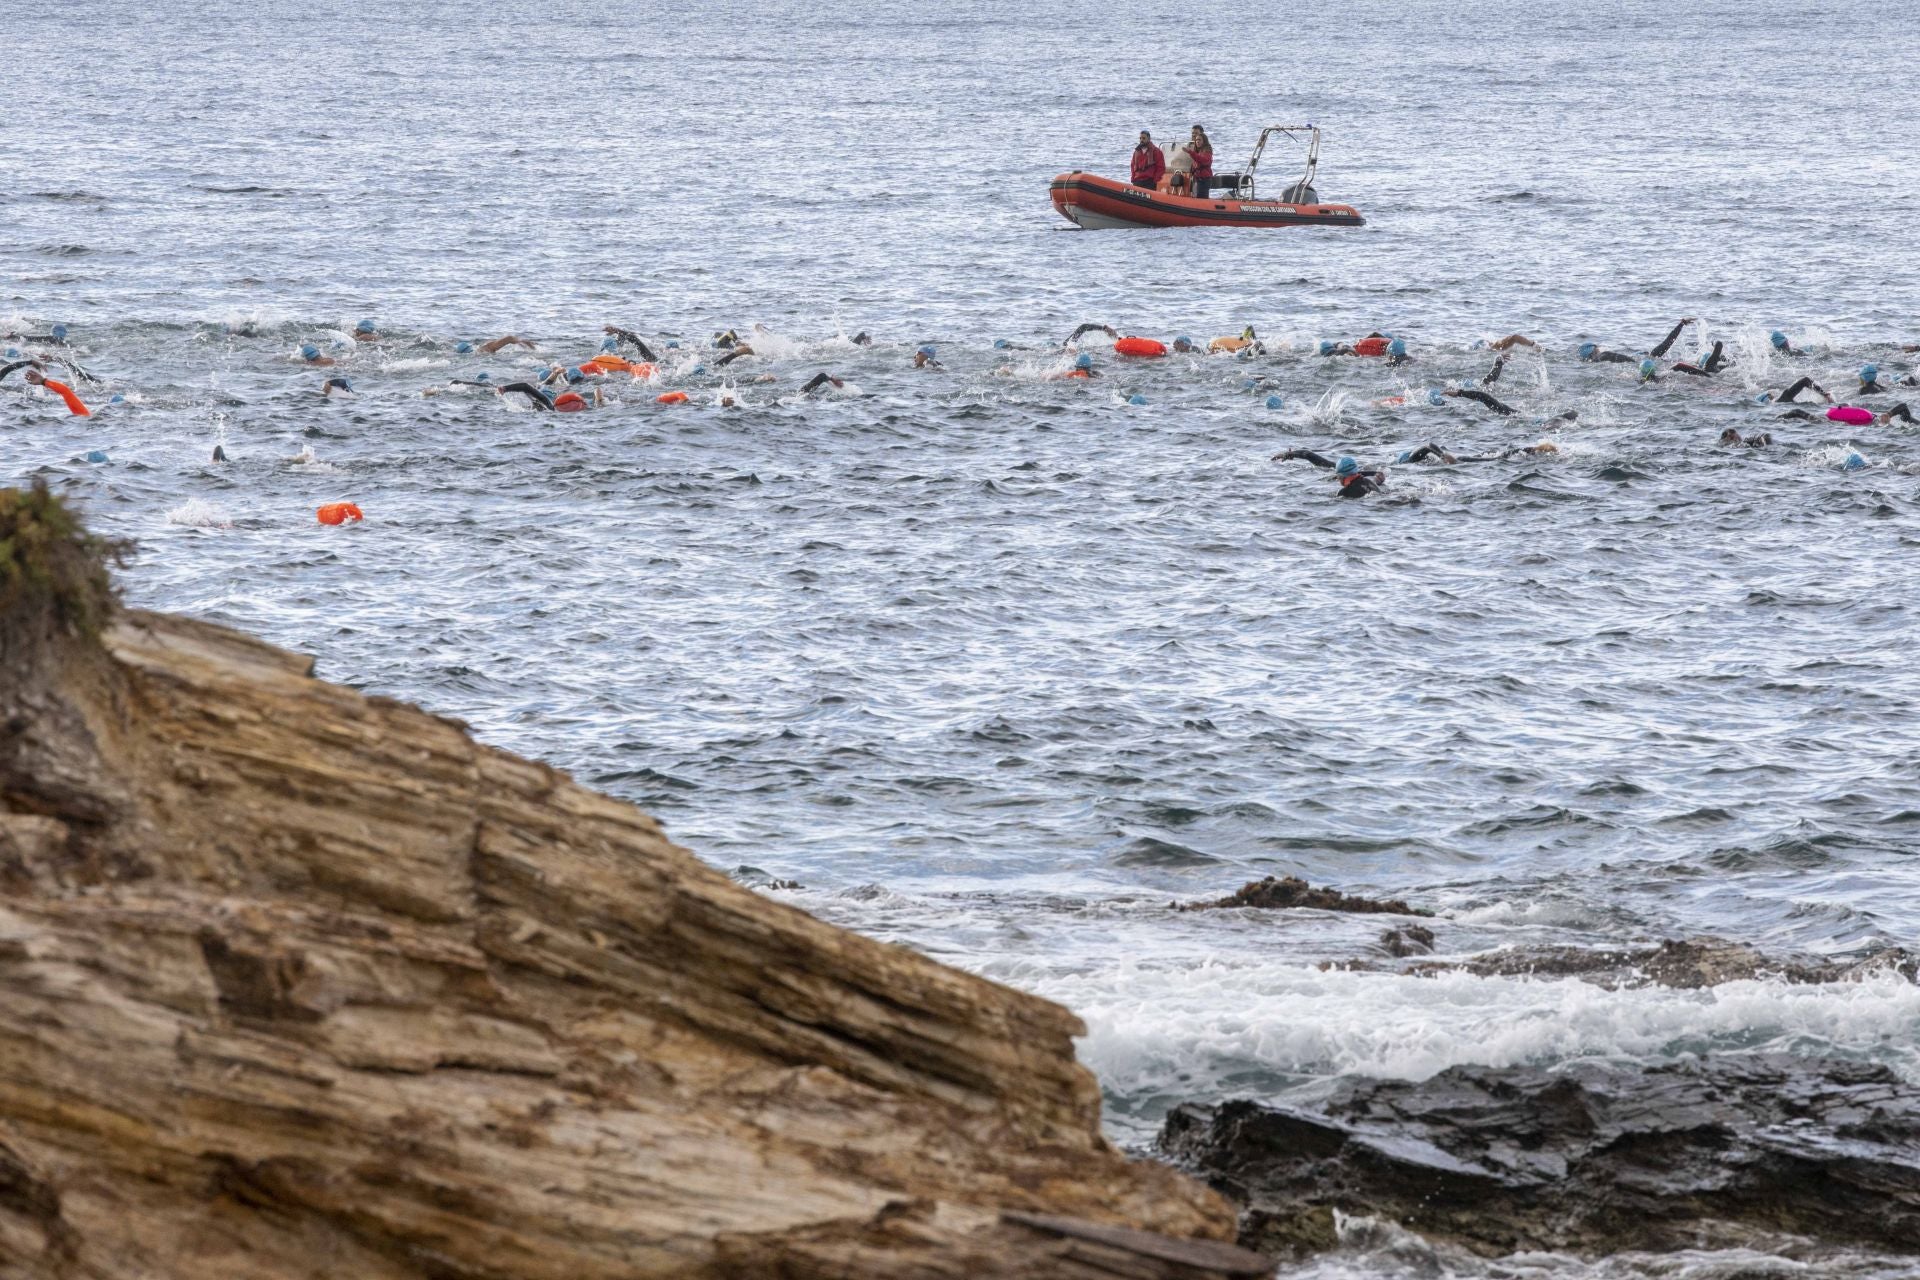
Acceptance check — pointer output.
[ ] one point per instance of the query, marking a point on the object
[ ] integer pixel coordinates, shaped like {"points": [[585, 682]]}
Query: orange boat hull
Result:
{"points": [[1097, 203]]}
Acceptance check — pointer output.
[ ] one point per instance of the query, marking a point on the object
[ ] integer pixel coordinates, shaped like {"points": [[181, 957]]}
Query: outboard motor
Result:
{"points": [[1301, 192]]}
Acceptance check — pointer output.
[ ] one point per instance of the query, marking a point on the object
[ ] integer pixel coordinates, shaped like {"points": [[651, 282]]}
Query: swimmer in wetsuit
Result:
{"points": [[822, 379], [61, 389], [923, 359], [1431, 452], [1715, 361], [1511, 341], [1734, 440], [310, 355], [1355, 482], [332, 385], [1591, 353], [740, 352], [530, 391], [1870, 383], [56, 336], [365, 332], [1479, 397], [1086, 329], [633, 340], [1793, 392], [219, 454]]}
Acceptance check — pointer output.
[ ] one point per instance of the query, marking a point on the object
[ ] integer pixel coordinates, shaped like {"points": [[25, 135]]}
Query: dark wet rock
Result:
{"points": [[1407, 940], [1735, 1150], [1279, 893], [1688, 965]]}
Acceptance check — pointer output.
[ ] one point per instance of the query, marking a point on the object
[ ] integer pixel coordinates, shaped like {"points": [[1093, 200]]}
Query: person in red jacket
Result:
{"points": [[1202, 152], [1149, 162]]}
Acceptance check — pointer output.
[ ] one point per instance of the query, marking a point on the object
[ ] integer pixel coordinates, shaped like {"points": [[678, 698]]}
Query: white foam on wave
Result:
{"points": [[414, 364], [1329, 409], [198, 513], [1152, 1029]]}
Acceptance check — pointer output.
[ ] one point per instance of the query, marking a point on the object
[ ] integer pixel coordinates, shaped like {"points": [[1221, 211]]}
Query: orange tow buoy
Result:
{"points": [[1375, 346], [671, 397], [339, 513], [1139, 347]]}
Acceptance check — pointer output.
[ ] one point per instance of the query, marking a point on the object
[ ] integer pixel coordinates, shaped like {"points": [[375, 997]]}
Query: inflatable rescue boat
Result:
{"points": [[1097, 203]]}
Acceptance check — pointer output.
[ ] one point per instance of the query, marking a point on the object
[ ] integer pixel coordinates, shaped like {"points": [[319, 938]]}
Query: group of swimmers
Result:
{"points": [[584, 386]]}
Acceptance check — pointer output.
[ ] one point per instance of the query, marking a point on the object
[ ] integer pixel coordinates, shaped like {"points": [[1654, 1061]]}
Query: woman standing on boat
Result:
{"points": [[1202, 152]]}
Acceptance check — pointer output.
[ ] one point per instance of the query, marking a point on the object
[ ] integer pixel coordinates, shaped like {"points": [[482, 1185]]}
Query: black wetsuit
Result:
{"points": [[1357, 485], [1086, 329], [1791, 393], [19, 364], [1493, 374], [1666, 343], [739, 352], [1707, 367], [817, 381], [1899, 411], [1481, 397], [1610, 357], [531, 392], [633, 340]]}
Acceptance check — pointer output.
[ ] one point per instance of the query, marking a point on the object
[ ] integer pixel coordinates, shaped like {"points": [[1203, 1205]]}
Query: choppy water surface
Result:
{"points": [[997, 664]]}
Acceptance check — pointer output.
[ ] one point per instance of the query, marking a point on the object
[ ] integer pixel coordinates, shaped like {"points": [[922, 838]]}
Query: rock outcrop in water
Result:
{"points": [[1689, 964], [1281, 893], [300, 983], [1734, 1150]]}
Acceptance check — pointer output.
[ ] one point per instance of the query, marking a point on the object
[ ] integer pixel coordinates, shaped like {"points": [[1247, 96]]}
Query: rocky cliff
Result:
{"points": [[300, 983]]}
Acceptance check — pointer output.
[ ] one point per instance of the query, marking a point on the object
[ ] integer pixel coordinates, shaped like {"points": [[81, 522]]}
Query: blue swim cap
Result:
{"points": [[1001, 344], [13, 353], [346, 384], [463, 348], [1436, 396], [673, 344], [1275, 402], [699, 368], [1136, 399], [925, 351], [574, 375], [1853, 462], [116, 398], [1868, 372], [96, 455], [1328, 347], [60, 331], [1588, 350], [365, 326], [1778, 339], [1083, 361], [1405, 455], [483, 376], [1647, 368], [1249, 384], [1765, 397], [1478, 343], [309, 352], [1398, 347], [1184, 338], [609, 343], [1346, 468]]}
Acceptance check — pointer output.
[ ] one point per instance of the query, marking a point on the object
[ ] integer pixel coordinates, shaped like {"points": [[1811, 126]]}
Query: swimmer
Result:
{"points": [[740, 351], [1086, 329], [36, 378], [725, 340], [530, 391], [1591, 353], [1511, 341], [29, 363], [1493, 374], [56, 336], [365, 332], [219, 453], [1779, 342], [1479, 397], [1714, 362], [1082, 368], [632, 339], [1431, 452], [1374, 344], [1247, 341], [1793, 392], [1355, 482], [861, 339], [1185, 346], [1734, 440], [494, 346], [1899, 413], [332, 385], [574, 402], [822, 379], [310, 355], [1870, 383], [923, 359]]}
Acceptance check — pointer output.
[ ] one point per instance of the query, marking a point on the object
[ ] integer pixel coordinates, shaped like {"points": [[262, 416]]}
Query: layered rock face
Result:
{"points": [[1733, 1151], [300, 983]]}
